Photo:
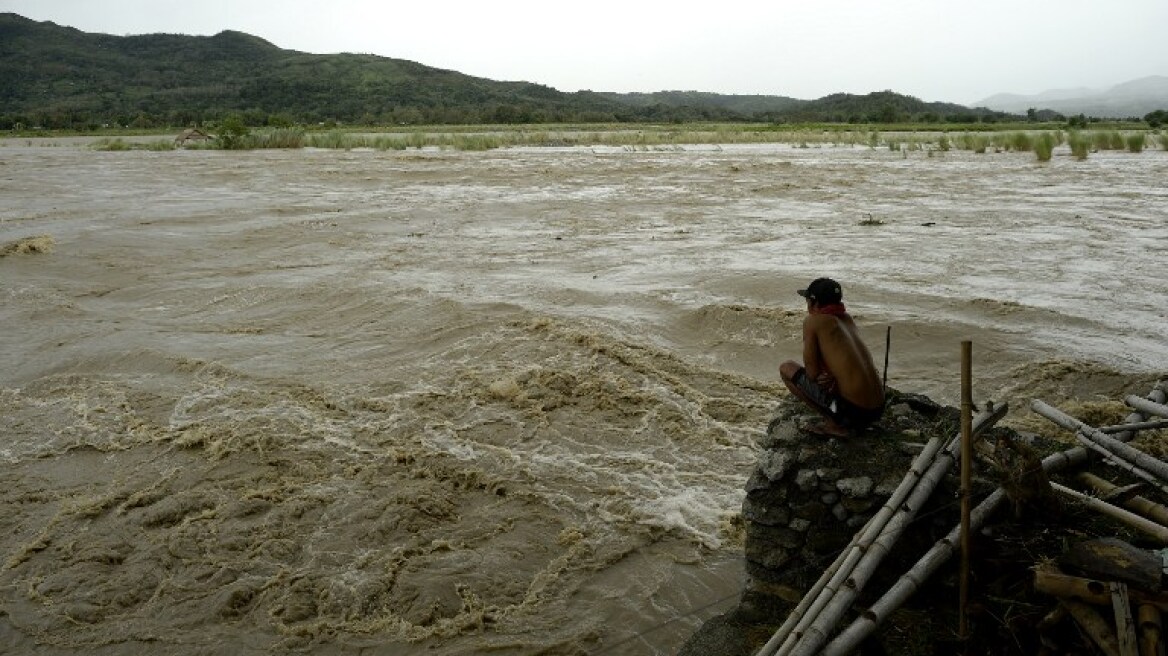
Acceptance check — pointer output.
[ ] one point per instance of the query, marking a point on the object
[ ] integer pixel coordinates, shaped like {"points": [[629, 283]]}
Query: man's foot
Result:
{"points": [[826, 429]]}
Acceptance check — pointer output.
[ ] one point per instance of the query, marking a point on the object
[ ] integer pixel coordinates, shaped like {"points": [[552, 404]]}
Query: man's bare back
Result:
{"points": [[838, 378], [833, 343]]}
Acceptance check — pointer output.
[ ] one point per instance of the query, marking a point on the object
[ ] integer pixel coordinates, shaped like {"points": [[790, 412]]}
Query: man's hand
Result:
{"points": [[827, 382]]}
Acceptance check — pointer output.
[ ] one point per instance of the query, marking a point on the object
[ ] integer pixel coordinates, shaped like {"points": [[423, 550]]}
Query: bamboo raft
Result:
{"points": [[813, 626]]}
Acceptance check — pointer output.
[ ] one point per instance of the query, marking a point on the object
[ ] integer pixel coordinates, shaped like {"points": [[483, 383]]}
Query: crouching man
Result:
{"points": [[838, 378]]}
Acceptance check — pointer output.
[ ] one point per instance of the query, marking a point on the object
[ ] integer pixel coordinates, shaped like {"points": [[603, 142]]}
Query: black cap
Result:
{"points": [[823, 291]]}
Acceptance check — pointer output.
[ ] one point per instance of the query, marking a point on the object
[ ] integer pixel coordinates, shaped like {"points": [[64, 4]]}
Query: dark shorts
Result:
{"points": [[844, 412]]}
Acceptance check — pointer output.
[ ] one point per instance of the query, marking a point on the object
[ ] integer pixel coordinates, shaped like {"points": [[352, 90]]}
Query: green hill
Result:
{"points": [[60, 77]]}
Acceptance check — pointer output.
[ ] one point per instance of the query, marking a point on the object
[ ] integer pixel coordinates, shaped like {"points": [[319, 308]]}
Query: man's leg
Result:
{"points": [[795, 378]]}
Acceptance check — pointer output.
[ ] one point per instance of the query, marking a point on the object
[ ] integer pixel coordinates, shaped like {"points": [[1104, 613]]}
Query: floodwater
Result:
{"points": [[506, 402]]}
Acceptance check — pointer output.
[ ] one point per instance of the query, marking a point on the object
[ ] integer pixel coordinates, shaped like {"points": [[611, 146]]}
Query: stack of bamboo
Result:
{"points": [[1130, 634], [1127, 578], [809, 627], [1137, 512]]}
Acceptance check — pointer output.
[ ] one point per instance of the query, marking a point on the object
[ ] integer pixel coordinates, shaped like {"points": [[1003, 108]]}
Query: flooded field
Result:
{"points": [[437, 402]]}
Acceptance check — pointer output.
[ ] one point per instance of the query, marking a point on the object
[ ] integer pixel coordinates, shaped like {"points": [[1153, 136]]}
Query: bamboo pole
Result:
{"points": [[1095, 626], [1053, 582], [841, 599], [1147, 407], [815, 599], [809, 605], [813, 630], [846, 641], [1125, 624], [966, 482], [1143, 425], [1131, 519], [1050, 581], [866, 623], [1116, 447], [1146, 507], [1120, 463], [1150, 629]]}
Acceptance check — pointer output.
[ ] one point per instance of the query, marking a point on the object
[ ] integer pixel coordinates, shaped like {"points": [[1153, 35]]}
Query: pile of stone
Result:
{"points": [[806, 498]]}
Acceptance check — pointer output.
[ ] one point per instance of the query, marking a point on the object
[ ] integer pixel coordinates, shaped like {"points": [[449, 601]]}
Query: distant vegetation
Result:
{"points": [[59, 78], [930, 142]]}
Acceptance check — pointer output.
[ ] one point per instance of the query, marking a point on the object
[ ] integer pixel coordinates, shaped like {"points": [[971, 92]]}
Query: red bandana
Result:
{"points": [[835, 309]]}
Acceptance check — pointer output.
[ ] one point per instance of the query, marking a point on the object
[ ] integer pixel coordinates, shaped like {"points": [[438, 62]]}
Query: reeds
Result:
{"points": [[119, 144], [1044, 143], [1109, 140], [276, 138], [1080, 145], [1043, 146]]}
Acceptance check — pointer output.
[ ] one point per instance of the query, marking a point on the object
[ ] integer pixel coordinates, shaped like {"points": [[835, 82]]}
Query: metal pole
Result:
{"points": [[966, 479]]}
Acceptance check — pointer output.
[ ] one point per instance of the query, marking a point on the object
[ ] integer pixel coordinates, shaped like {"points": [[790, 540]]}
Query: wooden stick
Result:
{"points": [[887, 350], [1146, 507], [1147, 407], [1094, 626], [1125, 625], [966, 482], [1150, 629], [1129, 518]]}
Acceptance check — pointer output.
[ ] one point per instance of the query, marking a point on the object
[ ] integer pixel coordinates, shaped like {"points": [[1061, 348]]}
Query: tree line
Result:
{"points": [[59, 78]]}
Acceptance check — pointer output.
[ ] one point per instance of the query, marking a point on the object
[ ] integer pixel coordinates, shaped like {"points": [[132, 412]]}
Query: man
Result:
{"points": [[839, 379]]}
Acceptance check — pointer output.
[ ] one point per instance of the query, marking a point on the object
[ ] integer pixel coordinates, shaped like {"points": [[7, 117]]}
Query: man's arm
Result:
{"points": [[812, 358]]}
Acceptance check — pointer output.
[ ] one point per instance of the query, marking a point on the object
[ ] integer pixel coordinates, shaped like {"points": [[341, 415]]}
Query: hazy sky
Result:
{"points": [[937, 50]]}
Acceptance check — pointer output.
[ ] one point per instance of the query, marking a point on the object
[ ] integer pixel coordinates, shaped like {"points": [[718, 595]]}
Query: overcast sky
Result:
{"points": [[936, 50]]}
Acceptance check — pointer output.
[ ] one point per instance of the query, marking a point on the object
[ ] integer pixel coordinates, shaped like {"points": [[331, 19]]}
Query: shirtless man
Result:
{"points": [[839, 380]]}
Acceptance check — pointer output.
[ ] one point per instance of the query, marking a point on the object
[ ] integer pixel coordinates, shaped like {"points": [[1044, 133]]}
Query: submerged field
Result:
{"points": [[443, 401]]}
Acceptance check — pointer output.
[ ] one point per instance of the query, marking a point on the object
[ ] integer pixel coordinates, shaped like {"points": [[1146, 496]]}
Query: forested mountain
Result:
{"points": [[59, 77]]}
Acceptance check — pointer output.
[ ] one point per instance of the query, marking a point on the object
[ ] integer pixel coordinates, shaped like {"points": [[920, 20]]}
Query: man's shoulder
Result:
{"points": [[824, 320]]}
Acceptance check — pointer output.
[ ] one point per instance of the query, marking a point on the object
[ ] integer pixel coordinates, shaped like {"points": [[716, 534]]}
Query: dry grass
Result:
{"points": [[38, 244]]}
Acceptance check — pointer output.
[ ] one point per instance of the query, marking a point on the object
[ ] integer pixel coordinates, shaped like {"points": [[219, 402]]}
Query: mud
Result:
{"points": [[455, 403]]}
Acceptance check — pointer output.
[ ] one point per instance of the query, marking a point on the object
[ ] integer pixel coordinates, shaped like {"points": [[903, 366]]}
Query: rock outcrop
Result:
{"points": [[806, 499]]}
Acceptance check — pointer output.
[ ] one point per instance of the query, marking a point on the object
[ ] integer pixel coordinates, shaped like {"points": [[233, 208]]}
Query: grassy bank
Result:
{"points": [[1044, 141]]}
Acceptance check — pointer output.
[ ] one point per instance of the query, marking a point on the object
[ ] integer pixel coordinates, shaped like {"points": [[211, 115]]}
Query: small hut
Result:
{"points": [[190, 135]]}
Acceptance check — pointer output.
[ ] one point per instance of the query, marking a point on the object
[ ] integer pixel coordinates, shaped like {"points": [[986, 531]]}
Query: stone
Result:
{"points": [[768, 556], [857, 521], [764, 512], [858, 505], [800, 525], [900, 410], [831, 498], [812, 511], [806, 480], [860, 486], [773, 464], [767, 536], [757, 481], [839, 512], [829, 473], [781, 433], [886, 487]]}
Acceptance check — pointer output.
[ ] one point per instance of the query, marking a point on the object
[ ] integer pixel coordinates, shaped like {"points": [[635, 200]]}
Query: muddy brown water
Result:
{"points": [[453, 403]]}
